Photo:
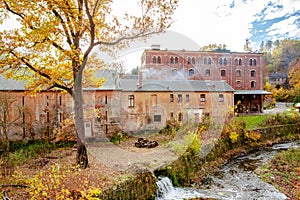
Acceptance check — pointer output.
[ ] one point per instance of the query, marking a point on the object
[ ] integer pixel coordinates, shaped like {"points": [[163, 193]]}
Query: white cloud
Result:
{"points": [[285, 27]]}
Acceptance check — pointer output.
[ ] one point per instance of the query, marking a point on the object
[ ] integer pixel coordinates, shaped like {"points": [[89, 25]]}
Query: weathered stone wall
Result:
{"points": [[141, 186]]}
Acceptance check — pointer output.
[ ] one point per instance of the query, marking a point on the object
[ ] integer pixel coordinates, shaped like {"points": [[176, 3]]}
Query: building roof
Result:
{"points": [[114, 83], [201, 51], [111, 82], [10, 84], [175, 86], [278, 75], [251, 92]]}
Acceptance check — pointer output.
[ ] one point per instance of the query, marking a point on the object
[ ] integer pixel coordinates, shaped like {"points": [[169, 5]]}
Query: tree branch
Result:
{"points": [[14, 12], [41, 73], [138, 35]]}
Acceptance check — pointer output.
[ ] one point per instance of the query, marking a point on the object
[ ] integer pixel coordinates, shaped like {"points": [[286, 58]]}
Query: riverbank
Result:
{"points": [[192, 170], [55, 176], [283, 172]]}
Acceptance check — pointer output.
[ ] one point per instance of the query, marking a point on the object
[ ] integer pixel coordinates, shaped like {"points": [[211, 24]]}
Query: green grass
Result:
{"points": [[252, 121]]}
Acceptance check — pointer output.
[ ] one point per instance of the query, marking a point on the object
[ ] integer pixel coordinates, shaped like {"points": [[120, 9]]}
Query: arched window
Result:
{"points": [[240, 61], [238, 84], [209, 61], [238, 73], [253, 73], [253, 84], [154, 59], [158, 60], [205, 61], [254, 62], [176, 60], [191, 72], [221, 61], [250, 62], [174, 72], [236, 61], [172, 60], [225, 61], [189, 60], [193, 60]]}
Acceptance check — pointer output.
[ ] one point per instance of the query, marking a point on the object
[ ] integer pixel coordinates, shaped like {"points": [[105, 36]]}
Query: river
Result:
{"points": [[236, 180]]}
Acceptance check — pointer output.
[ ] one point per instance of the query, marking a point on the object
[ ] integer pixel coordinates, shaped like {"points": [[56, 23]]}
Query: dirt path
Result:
{"points": [[129, 158]]}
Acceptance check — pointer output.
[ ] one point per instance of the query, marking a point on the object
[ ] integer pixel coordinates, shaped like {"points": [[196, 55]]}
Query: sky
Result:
{"points": [[198, 23], [231, 22]]}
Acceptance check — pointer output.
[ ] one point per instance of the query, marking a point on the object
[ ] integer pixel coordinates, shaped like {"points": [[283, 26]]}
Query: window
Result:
{"points": [[187, 98], [209, 61], [180, 117], [189, 60], [60, 100], [130, 100], [158, 60], [193, 60], [154, 59], [250, 62], [225, 61], [60, 117], [240, 61], [223, 72], [221, 61], [153, 100], [172, 115], [253, 84], [157, 118], [174, 72], [221, 98], [236, 61], [172, 60], [254, 62], [252, 73], [191, 72], [179, 97], [205, 61], [176, 60], [238, 83], [238, 73], [171, 98], [202, 97], [207, 72], [106, 99]]}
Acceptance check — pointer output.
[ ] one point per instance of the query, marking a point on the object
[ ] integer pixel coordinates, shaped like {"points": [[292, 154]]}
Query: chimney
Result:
{"points": [[140, 79], [155, 47]]}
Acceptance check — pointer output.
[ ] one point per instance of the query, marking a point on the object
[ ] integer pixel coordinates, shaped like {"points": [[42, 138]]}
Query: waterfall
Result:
{"points": [[165, 187], [166, 191]]}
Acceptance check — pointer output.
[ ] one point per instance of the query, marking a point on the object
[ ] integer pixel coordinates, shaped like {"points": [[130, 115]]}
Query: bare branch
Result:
{"points": [[138, 35], [12, 11]]}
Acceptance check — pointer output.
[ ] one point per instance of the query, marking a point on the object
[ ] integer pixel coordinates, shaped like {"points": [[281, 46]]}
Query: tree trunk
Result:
{"points": [[82, 157]]}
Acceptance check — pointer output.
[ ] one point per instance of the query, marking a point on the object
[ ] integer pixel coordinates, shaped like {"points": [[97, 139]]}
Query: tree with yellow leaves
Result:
{"points": [[51, 46], [294, 73]]}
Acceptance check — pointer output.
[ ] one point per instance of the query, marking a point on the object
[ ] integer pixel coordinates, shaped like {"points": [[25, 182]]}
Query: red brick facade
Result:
{"points": [[242, 71]]}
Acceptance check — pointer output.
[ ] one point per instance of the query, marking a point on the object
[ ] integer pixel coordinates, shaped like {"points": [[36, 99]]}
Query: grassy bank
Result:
{"points": [[237, 138], [283, 171]]}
